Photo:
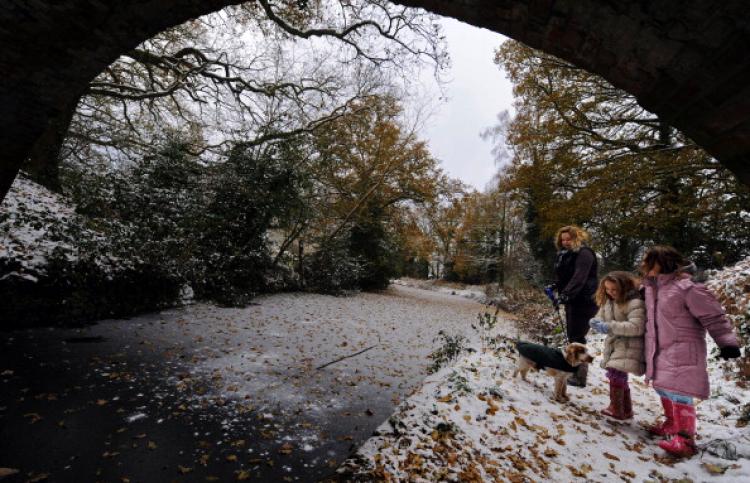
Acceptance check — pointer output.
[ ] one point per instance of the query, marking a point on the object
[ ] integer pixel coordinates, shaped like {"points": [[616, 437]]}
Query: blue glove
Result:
{"points": [[599, 326], [550, 292]]}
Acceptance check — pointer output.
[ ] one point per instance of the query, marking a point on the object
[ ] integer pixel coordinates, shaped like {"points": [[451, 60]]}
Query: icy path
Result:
{"points": [[204, 392]]}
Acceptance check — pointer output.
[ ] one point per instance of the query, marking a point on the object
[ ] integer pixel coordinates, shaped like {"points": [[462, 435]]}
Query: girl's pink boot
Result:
{"points": [[682, 444], [667, 428]]}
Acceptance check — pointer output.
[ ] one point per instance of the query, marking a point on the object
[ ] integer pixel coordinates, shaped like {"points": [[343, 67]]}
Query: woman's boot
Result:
{"points": [[579, 377]]}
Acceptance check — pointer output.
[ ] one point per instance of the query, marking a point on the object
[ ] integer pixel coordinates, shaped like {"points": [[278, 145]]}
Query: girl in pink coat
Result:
{"points": [[678, 314]]}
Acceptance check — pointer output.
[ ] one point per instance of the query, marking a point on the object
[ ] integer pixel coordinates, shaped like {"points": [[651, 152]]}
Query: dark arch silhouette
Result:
{"points": [[685, 60]]}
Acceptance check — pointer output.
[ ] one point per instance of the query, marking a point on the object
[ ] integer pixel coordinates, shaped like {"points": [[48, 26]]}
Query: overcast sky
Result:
{"points": [[477, 92]]}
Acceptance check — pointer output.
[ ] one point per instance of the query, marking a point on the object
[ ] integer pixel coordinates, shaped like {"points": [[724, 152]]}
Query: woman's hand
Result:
{"points": [[549, 290]]}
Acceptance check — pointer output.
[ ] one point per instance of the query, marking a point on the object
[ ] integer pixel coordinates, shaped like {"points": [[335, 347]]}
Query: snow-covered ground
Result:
{"points": [[475, 292], [268, 375], [472, 421]]}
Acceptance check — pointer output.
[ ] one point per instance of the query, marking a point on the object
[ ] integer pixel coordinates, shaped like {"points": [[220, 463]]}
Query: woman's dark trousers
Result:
{"points": [[577, 316]]}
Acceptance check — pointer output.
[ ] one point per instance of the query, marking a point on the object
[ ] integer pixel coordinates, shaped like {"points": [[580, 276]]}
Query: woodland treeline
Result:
{"points": [[264, 147], [581, 151], [275, 146]]}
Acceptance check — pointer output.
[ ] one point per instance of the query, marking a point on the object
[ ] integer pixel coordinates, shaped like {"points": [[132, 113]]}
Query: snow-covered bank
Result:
{"points": [[474, 422], [474, 292], [732, 287], [56, 269], [37, 225]]}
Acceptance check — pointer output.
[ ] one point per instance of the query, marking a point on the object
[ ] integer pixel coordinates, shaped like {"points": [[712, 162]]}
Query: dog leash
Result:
{"points": [[556, 308], [562, 325], [549, 292]]}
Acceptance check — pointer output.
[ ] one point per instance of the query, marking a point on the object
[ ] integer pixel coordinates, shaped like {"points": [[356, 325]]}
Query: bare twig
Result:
{"points": [[345, 357]]}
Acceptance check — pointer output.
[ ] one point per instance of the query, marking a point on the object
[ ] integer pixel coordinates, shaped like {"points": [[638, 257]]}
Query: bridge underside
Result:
{"points": [[685, 60]]}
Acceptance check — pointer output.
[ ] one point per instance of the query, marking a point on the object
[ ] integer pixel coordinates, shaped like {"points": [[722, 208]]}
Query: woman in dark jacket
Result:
{"points": [[576, 272]]}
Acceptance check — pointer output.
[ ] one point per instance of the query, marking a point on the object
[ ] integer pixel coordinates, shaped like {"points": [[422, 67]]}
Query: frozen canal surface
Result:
{"points": [[204, 393]]}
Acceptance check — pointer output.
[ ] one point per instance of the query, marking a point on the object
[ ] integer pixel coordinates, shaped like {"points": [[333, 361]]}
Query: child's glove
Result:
{"points": [[599, 326], [729, 352]]}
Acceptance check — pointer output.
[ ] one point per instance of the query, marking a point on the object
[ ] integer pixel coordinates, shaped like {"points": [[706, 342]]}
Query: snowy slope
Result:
{"points": [[732, 287], [476, 292], [37, 225], [473, 422]]}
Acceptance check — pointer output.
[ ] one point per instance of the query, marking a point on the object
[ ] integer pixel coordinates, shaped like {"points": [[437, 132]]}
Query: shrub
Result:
{"points": [[333, 269], [448, 351]]}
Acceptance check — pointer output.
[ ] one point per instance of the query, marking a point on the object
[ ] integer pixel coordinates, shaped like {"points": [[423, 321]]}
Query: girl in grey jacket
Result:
{"points": [[622, 316]]}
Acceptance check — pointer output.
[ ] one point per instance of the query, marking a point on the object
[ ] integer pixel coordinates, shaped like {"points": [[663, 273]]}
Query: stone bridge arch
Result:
{"points": [[685, 60]]}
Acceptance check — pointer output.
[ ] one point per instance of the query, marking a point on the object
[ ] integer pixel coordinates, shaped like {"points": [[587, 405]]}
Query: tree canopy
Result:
{"points": [[251, 73], [584, 152]]}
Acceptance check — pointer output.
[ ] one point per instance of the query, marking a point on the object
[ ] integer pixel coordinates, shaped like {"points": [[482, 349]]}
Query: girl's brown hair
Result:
{"points": [[669, 259], [626, 282], [577, 234]]}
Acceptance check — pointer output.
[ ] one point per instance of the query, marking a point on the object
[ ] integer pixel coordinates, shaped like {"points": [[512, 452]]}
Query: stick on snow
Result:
{"points": [[345, 357]]}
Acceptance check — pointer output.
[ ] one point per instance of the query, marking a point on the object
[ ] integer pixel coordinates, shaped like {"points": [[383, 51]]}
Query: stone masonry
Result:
{"points": [[685, 60]]}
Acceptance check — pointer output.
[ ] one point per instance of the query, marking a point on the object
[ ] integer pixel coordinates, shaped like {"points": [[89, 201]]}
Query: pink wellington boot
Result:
{"points": [[682, 444], [666, 428]]}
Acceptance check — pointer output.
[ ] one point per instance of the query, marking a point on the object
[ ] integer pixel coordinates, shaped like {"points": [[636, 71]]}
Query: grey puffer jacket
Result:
{"points": [[624, 347]]}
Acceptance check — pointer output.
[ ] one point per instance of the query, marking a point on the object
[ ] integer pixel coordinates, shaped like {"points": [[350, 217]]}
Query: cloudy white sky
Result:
{"points": [[478, 90]]}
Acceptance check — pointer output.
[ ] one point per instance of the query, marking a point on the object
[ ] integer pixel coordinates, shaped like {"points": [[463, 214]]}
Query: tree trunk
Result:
{"points": [[301, 251], [503, 245], [43, 164]]}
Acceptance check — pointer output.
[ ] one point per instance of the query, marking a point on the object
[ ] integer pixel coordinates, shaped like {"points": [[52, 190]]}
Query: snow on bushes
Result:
{"points": [[37, 226], [55, 269], [732, 287]]}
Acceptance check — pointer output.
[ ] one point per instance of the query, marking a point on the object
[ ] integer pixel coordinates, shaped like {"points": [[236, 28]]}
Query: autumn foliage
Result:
{"points": [[584, 152]]}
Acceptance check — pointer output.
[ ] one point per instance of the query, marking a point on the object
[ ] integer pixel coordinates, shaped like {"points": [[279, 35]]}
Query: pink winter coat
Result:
{"points": [[679, 312]]}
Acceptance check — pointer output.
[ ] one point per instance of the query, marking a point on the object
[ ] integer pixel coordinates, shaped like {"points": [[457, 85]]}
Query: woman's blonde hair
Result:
{"points": [[626, 283], [577, 234]]}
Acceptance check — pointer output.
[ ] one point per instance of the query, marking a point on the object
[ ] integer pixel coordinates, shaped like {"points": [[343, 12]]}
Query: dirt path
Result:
{"points": [[204, 392]]}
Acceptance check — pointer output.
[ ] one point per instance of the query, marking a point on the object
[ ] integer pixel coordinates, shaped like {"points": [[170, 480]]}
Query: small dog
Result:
{"points": [[558, 364]]}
